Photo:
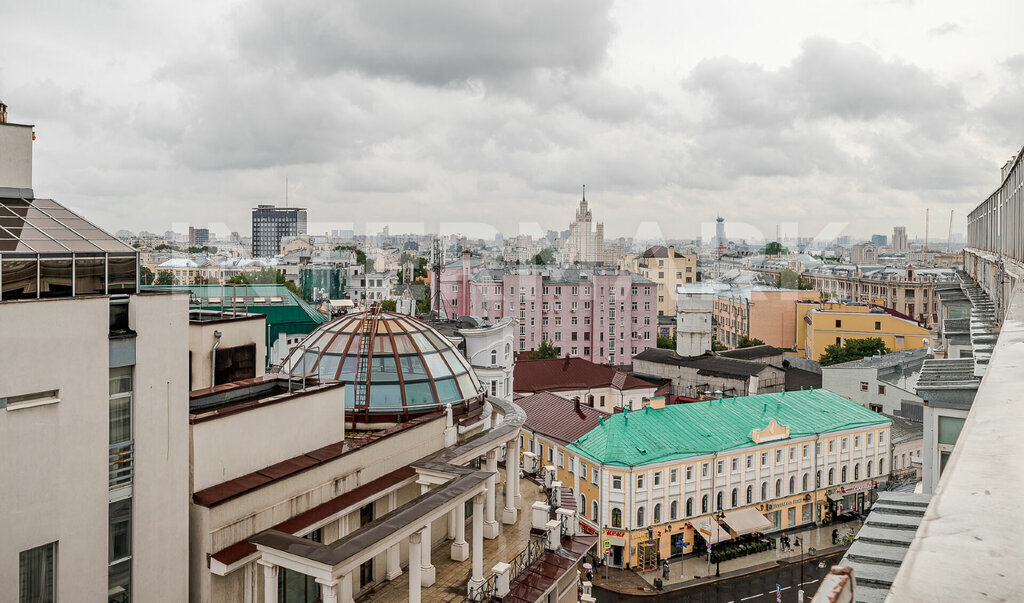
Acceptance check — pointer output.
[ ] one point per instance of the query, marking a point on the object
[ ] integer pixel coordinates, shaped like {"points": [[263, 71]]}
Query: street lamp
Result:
{"points": [[720, 516], [800, 587]]}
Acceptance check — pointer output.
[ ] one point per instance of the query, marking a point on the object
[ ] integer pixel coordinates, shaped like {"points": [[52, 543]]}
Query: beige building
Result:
{"points": [[666, 267], [758, 312], [820, 325]]}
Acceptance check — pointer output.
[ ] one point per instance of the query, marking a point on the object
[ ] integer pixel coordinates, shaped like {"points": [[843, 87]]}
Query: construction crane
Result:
{"points": [[949, 238]]}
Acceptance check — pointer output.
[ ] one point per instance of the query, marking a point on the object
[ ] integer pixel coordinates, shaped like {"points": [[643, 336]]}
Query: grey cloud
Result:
{"points": [[945, 29], [438, 43]]}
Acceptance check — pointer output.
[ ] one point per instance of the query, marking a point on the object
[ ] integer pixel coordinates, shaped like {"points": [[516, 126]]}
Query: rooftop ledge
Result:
{"points": [[967, 548]]}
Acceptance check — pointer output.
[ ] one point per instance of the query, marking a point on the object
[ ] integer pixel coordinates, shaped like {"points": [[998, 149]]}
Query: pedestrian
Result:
{"points": [[835, 535], [664, 569]]}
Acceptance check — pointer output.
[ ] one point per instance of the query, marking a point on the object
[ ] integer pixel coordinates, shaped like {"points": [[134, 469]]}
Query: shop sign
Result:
{"points": [[615, 533], [586, 528], [782, 505], [858, 488]]}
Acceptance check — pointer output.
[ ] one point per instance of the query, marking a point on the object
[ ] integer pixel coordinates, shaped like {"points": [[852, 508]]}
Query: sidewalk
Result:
{"points": [[818, 538]]}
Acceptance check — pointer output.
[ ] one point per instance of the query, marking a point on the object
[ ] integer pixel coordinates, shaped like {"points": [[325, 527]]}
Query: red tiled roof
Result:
{"points": [[243, 549], [554, 416], [544, 572], [560, 374]]}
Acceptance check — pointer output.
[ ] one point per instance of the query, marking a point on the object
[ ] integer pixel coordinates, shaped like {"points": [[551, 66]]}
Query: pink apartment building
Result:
{"points": [[603, 315]]}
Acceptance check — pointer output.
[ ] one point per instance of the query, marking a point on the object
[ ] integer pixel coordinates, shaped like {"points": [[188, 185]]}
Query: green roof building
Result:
{"points": [[720, 471]]}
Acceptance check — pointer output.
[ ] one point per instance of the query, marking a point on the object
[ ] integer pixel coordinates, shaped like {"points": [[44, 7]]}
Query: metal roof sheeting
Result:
{"points": [[683, 430]]}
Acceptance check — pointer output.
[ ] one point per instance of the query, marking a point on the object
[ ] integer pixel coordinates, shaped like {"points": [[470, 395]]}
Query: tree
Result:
{"points": [[389, 305], [789, 279], [360, 255], [748, 342], [717, 347], [852, 349], [546, 350], [546, 256], [165, 246], [264, 276], [774, 248], [146, 276], [165, 277], [423, 305], [666, 342]]}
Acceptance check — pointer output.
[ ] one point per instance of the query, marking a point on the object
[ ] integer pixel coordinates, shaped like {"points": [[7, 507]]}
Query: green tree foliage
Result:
{"points": [[419, 267], [545, 257], [423, 304], [204, 249], [717, 347], [546, 350], [389, 305], [165, 277], [264, 276], [852, 349], [166, 247], [146, 276], [748, 342], [666, 342], [789, 279], [774, 248], [360, 256]]}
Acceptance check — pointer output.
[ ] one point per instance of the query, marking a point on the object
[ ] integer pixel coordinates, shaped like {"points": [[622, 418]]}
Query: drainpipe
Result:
{"points": [[213, 359]]}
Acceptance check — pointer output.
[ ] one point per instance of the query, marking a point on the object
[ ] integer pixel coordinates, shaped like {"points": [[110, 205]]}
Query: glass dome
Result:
{"points": [[410, 367]]}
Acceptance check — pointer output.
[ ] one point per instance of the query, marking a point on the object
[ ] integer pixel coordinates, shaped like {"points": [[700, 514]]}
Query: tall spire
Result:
{"points": [[584, 193]]}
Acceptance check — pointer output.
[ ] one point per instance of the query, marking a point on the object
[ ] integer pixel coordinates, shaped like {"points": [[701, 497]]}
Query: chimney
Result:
{"points": [[15, 157], [565, 365], [3, 113], [576, 403]]}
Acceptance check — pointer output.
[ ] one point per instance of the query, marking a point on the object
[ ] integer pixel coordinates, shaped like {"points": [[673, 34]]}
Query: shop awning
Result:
{"points": [[747, 521], [711, 531], [835, 496]]}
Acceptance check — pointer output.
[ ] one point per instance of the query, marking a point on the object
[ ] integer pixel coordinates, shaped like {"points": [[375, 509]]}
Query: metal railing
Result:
{"points": [[484, 592], [527, 557], [122, 461]]}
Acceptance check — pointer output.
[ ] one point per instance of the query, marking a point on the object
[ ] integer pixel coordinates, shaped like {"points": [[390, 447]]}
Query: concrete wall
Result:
{"points": [[846, 382], [233, 333], [15, 156], [223, 448]]}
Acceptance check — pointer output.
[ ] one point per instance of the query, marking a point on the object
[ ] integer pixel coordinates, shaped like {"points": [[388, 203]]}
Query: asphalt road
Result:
{"points": [[751, 588]]}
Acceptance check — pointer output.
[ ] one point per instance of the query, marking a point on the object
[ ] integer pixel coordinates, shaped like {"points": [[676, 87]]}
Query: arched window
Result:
{"points": [[494, 357], [868, 474], [792, 484], [616, 517], [735, 498], [583, 503], [718, 500], [593, 510], [843, 480], [657, 513], [640, 517], [689, 507], [673, 510], [764, 490], [856, 471], [831, 476], [805, 478], [817, 478], [750, 494], [508, 351], [778, 488], [704, 504], [881, 466]]}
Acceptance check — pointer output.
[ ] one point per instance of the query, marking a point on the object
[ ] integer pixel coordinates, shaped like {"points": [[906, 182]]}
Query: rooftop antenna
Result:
{"points": [[286, 191], [926, 213], [949, 237]]}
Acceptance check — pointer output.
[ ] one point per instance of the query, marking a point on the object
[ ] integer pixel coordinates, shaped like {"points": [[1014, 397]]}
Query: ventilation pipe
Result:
{"points": [[213, 359]]}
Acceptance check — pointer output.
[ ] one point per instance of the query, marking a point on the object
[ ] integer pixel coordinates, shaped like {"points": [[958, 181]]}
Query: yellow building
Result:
{"points": [[666, 267], [819, 325], [649, 480]]}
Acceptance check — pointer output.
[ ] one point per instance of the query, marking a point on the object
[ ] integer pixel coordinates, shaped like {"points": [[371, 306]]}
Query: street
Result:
{"points": [[758, 587]]}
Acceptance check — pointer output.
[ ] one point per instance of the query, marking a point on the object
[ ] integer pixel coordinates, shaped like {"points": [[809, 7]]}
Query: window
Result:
{"points": [[764, 459], [843, 480], [817, 448], [807, 451], [640, 482], [721, 467], [881, 465], [875, 408], [845, 443], [778, 455], [673, 510], [616, 517], [792, 453], [764, 490], [718, 500], [881, 439], [792, 484], [735, 498], [583, 504], [583, 472], [30, 400], [35, 574], [831, 446], [657, 478], [689, 473], [750, 461], [657, 514], [494, 357], [831, 476], [878, 325], [839, 324], [750, 494], [778, 488], [551, 454], [804, 481], [856, 471], [593, 510], [704, 504], [881, 390], [871, 437], [735, 463], [856, 441], [863, 386], [616, 482], [817, 478], [704, 470], [868, 469], [639, 517], [119, 547], [673, 476]]}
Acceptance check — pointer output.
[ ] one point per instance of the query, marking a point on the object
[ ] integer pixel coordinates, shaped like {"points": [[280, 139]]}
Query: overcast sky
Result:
{"points": [[496, 112]]}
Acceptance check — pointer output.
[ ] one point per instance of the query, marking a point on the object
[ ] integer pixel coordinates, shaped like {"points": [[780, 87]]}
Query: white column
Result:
{"points": [[491, 527], [460, 548], [414, 568], [453, 516], [328, 591], [269, 582], [427, 572], [477, 577], [346, 588], [394, 568], [515, 471], [510, 514]]}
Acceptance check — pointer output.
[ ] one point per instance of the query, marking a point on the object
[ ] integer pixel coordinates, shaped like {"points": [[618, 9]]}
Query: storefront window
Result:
{"points": [[806, 513]]}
